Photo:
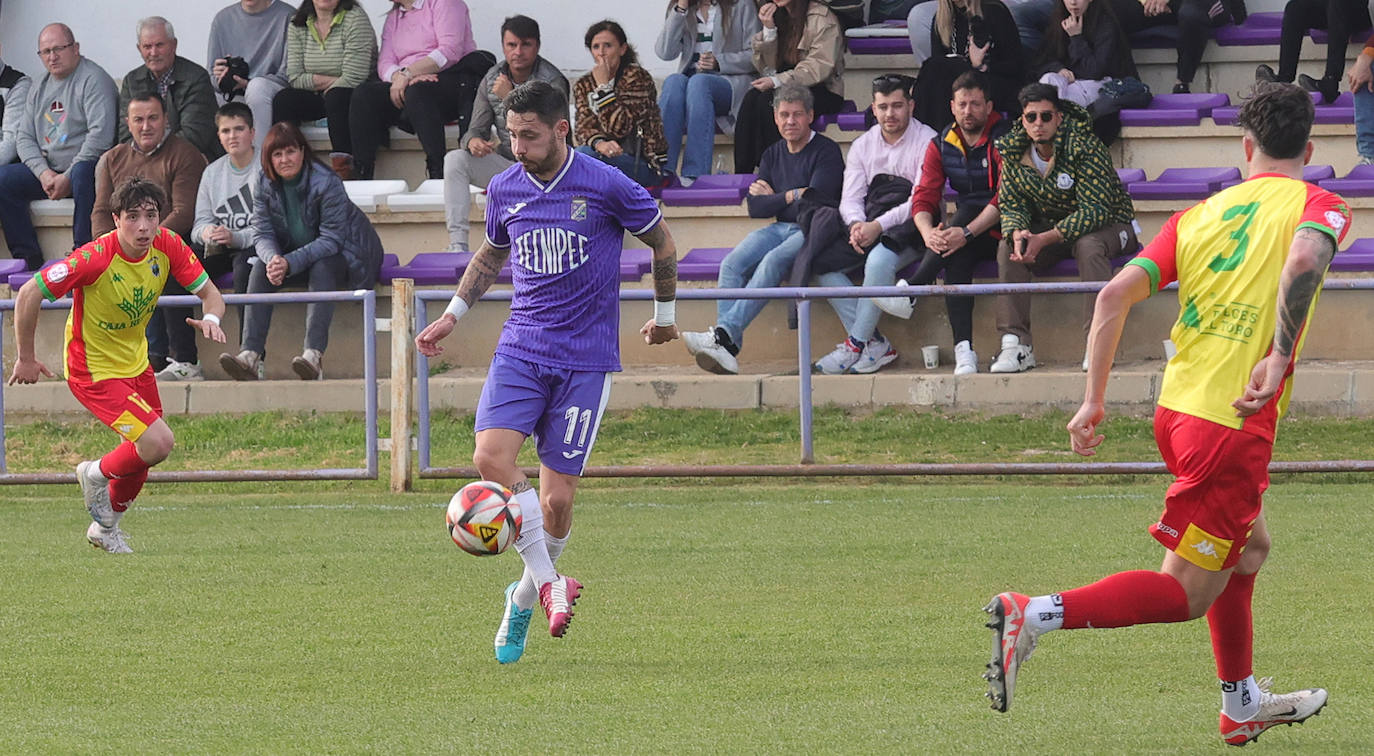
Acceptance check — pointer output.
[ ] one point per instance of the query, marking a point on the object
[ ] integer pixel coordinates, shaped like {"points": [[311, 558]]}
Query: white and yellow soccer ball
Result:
{"points": [[483, 518]]}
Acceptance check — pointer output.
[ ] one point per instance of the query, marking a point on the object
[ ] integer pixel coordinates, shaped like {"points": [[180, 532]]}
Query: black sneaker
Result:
{"points": [[1182, 88], [1264, 73], [1328, 87]]}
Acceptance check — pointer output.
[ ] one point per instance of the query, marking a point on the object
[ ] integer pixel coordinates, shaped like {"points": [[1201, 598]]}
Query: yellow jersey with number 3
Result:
{"points": [[1227, 253]]}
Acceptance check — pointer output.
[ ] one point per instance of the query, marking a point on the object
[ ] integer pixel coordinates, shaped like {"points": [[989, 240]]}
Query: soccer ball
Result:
{"points": [[483, 518]]}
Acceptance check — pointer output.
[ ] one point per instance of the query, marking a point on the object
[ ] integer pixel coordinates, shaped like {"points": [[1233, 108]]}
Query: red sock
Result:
{"points": [[1232, 628], [124, 490], [122, 462], [1138, 597]]}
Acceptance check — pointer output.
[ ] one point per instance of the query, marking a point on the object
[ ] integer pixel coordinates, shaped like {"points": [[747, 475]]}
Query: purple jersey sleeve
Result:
{"points": [[632, 206], [498, 233]]}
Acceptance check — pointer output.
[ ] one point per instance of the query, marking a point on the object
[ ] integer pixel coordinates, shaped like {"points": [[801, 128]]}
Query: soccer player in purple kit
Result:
{"points": [[560, 218]]}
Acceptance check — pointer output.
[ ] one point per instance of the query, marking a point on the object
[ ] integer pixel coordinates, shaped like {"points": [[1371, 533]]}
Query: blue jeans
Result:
{"points": [[637, 169], [1364, 123], [19, 187], [690, 106], [762, 259], [860, 316]]}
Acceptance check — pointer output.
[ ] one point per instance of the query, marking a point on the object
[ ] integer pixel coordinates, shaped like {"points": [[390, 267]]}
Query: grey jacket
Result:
{"points": [[343, 228], [733, 51], [489, 111]]}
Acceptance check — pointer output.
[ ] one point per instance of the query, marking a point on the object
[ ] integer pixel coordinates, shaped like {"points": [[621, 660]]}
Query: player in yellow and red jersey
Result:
{"points": [[115, 282], [1249, 262]]}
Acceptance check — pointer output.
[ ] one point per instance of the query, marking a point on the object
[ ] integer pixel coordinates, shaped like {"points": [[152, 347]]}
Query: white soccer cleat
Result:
{"points": [[897, 307], [965, 359], [109, 539], [180, 371], [96, 492], [1014, 357], [1012, 643], [1275, 709]]}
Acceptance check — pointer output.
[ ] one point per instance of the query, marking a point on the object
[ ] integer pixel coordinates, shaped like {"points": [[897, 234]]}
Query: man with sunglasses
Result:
{"points": [[71, 122], [1059, 197]]}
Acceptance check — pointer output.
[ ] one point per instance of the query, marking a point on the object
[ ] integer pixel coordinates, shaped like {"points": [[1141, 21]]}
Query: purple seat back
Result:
{"points": [[1129, 176], [723, 189], [879, 45], [1320, 36], [8, 267], [1358, 183], [1210, 176], [391, 268], [701, 264], [1358, 258], [634, 263], [851, 121], [431, 268], [1258, 29], [1316, 173], [19, 277], [1151, 117], [1340, 111], [1202, 102]]}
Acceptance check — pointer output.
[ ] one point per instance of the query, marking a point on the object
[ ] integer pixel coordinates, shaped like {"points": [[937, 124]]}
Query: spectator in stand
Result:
{"points": [[1083, 46], [1340, 19], [978, 35], [307, 233], [1059, 197], [175, 165], [423, 76], [254, 30], [1195, 19], [14, 91], [1361, 81], [800, 43], [330, 50], [876, 230], [802, 162], [710, 39], [223, 226], [183, 85], [963, 155], [1031, 17], [71, 113], [480, 158], [618, 121]]}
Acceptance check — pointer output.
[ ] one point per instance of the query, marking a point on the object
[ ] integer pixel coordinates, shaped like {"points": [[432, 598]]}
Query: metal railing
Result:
{"points": [[367, 297]]}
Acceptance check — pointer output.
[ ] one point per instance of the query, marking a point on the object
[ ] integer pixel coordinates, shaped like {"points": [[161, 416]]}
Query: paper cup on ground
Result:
{"points": [[931, 355]]}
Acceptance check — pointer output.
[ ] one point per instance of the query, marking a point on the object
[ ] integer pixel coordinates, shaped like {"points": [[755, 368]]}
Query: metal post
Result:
{"points": [[402, 368], [370, 377], [3, 380], [421, 316], [808, 454]]}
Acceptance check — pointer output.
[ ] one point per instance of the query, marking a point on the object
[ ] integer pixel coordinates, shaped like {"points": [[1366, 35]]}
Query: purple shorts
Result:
{"points": [[561, 408]]}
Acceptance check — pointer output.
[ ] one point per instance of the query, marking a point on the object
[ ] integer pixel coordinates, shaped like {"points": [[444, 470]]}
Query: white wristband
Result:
{"points": [[456, 307], [210, 317], [665, 313]]}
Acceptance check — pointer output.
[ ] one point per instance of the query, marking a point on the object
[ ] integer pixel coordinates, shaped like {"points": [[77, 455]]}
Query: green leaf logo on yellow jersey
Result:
{"points": [[141, 306], [1190, 318]]}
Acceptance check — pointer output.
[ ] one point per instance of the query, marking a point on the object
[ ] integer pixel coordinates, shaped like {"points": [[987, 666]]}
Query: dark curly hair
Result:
{"points": [[135, 192], [1279, 116]]}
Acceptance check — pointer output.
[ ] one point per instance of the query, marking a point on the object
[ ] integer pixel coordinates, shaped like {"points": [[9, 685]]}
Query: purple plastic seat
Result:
{"points": [[702, 264], [1312, 174], [1202, 102], [432, 268], [634, 263], [224, 281], [1320, 36], [1358, 258], [1258, 29], [391, 269], [823, 122], [1184, 183], [723, 189], [19, 277], [1129, 176], [1340, 111], [851, 121], [1151, 117], [11, 266], [1358, 183], [1175, 109], [879, 45]]}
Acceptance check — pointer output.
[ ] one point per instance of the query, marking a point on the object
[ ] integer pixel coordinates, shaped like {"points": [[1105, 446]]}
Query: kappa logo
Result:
{"points": [[572, 454], [125, 428], [1205, 548], [517, 207]]}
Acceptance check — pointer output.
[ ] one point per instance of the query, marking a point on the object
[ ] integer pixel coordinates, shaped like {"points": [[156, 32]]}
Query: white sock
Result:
{"points": [[531, 543], [1045, 613], [526, 593], [556, 545], [1240, 699]]}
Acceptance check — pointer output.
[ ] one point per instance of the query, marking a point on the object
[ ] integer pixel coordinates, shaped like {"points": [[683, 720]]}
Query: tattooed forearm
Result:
{"points": [[1298, 288], [481, 273], [660, 239]]}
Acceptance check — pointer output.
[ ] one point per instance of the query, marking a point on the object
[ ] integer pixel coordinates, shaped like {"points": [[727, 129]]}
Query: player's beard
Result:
{"points": [[548, 165]]}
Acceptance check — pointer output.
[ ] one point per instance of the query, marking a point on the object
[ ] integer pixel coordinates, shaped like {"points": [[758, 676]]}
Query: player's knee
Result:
{"points": [[1256, 551], [491, 466], [154, 447]]}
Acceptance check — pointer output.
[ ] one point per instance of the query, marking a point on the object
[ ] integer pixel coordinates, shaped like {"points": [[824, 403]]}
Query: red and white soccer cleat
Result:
{"points": [[1275, 709], [558, 598], [1012, 644]]}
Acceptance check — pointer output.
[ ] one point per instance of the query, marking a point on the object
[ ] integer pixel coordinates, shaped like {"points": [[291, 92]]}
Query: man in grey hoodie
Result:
{"points": [[71, 122]]}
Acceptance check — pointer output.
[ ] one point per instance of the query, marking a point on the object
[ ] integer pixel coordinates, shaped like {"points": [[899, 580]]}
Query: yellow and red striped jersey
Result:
{"points": [[113, 296], [1227, 253]]}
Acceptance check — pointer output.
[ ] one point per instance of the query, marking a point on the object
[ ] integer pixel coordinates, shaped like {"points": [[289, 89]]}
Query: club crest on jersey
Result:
{"points": [[579, 208], [157, 269], [1335, 220], [58, 273]]}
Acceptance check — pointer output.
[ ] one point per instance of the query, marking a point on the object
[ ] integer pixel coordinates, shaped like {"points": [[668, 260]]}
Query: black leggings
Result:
{"points": [[296, 105], [428, 106], [1340, 18], [1194, 28], [755, 130]]}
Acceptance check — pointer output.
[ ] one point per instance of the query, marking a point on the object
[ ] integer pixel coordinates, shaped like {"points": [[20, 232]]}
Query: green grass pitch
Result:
{"points": [[730, 617]]}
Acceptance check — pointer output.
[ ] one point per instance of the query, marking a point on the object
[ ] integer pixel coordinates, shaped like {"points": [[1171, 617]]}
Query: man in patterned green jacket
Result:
{"points": [[1059, 197]]}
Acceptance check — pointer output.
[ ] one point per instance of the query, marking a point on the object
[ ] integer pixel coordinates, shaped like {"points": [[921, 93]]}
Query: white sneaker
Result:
{"points": [[876, 353], [95, 490], [965, 359], [1014, 358], [246, 366], [308, 366], [711, 356], [841, 359], [180, 371], [897, 307], [109, 539]]}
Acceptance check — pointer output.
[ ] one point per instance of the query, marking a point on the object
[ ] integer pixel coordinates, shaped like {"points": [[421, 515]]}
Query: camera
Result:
{"points": [[236, 67]]}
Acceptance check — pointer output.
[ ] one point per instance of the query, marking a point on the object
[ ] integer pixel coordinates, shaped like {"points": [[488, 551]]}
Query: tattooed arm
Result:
{"points": [[662, 327], [482, 271], [1308, 258]]}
